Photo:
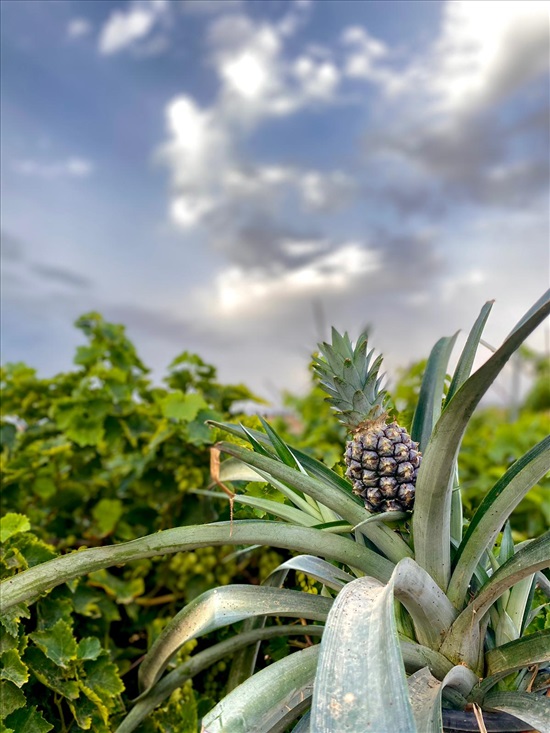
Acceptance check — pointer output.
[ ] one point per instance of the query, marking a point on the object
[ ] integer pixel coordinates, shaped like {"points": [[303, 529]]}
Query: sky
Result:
{"points": [[233, 177]]}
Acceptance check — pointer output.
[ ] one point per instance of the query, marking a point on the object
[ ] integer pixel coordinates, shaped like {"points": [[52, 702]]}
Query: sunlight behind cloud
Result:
{"points": [[246, 75], [238, 289]]}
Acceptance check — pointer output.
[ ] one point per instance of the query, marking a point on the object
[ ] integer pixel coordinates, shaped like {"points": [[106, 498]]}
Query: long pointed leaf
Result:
{"points": [[269, 700], [281, 448], [461, 374], [462, 644], [540, 303], [361, 683], [326, 573], [416, 656], [235, 470], [493, 511], [531, 649], [387, 541], [435, 478], [223, 607], [313, 467], [28, 585], [532, 709], [466, 360], [430, 399], [383, 537], [154, 697], [289, 513]]}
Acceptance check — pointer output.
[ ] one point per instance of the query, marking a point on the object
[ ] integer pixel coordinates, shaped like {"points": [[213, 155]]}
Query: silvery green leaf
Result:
{"points": [[244, 662], [320, 570], [361, 682], [276, 508], [162, 690], [30, 584], [524, 652], [430, 609], [425, 693], [416, 656], [222, 607], [269, 700], [532, 709]]}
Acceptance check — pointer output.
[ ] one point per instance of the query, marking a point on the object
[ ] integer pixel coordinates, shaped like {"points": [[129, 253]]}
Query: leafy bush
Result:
{"points": [[90, 457]]}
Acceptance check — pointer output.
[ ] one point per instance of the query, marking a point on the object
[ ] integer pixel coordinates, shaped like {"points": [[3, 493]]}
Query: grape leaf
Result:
{"points": [[182, 406], [106, 513], [29, 720], [89, 648], [11, 698], [11, 524], [13, 668], [57, 643]]}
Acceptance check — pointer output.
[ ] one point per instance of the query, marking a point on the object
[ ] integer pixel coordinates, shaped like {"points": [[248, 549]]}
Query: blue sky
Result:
{"points": [[233, 177]]}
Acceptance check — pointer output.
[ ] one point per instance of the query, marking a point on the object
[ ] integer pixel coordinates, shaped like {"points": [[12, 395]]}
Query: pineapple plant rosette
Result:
{"points": [[382, 460], [422, 613]]}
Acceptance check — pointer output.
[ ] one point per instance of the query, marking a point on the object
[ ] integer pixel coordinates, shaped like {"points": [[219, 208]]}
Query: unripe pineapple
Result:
{"points": [[382, 459]]}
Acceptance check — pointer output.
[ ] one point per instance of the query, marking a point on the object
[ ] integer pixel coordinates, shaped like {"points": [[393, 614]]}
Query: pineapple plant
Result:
{"points": [[382, 460], [457, 649]]}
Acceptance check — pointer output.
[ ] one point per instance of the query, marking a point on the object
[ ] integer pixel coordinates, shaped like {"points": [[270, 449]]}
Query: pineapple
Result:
{"points": [[382, 459]]}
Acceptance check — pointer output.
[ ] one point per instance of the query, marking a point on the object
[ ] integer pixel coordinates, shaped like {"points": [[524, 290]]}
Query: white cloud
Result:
{"points": [[211, 181], [318, 79], [300, 247], [365, 53], [72, 167], [485, 51], [124, 28], [258, 81], [78, 27], [488, 49]]}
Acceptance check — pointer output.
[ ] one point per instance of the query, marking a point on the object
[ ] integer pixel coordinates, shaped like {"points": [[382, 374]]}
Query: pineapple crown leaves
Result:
{"points": [[349, 376]]}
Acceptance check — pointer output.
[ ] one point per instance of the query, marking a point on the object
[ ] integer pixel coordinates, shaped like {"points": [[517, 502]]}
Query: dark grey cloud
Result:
{"points": [[256, 239], [481, 159], [61, 275]]}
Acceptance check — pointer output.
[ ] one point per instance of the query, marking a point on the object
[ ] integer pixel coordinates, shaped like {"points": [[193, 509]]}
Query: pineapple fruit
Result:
{"points": [[382, 459]]}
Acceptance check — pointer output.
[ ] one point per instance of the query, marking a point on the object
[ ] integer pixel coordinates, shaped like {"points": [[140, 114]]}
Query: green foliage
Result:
{"points": [[491, 444], [92, 456], [68, 657]]}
